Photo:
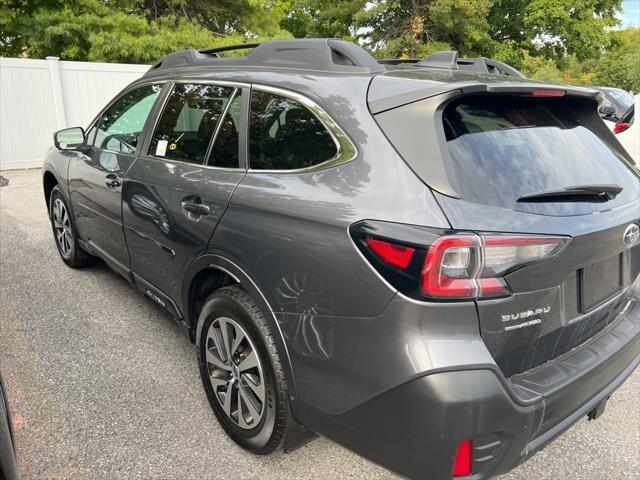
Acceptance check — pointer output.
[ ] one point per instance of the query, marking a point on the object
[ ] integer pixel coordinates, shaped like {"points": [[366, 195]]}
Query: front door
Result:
{"points": [[177, 191], [95, 179]]}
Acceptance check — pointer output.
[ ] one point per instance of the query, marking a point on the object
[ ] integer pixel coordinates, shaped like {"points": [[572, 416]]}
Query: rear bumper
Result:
{"points": [[414, 429]]}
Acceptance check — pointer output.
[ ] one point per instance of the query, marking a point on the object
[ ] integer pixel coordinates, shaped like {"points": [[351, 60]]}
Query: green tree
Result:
{"points": [[128, 30], [92, 31], [394, 27], [571, 26], [554, 28], [12, 22], [415, 28], [620, 66], [463, 25], [540, 68], [218, 16], [319, 18]]}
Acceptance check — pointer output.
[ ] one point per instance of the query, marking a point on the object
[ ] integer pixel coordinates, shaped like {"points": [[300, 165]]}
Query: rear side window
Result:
{"points": [[502, 148], [120, 127], [286, 135], [188, 122]]}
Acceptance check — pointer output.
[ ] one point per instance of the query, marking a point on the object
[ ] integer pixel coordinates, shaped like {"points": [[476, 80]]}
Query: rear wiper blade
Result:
{"points": [[579, 193]]}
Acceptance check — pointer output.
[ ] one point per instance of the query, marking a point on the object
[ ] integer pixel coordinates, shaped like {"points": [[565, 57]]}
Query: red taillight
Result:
{"points": [[620, 127], [446, 268], [464, 459], [397, 255], [426, 263], [492, 286], [471, 266]]}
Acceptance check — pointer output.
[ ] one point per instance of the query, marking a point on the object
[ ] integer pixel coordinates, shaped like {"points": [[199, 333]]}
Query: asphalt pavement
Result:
{"points": [[104, 384]]}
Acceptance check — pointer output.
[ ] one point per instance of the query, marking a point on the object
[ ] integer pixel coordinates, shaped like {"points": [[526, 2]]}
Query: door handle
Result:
{"points": [[196, 208], [112, 181]]}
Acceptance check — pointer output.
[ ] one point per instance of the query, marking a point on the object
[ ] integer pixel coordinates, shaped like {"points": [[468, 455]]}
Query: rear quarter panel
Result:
{"points": [[286, 226]]}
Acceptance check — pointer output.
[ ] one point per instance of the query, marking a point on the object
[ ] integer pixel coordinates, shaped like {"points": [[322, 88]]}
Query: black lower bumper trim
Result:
{"points": [[567, 422]]}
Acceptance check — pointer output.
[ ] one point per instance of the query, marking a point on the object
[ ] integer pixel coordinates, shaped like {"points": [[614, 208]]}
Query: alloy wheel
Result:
{"points": [[235, 373], [62, 227]]}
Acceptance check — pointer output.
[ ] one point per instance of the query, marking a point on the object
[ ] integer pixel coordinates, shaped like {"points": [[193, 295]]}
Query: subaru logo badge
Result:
{"points": [[631, 234]]}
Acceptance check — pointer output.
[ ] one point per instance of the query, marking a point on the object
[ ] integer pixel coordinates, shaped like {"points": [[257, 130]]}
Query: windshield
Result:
{"points": [[503, 148]]}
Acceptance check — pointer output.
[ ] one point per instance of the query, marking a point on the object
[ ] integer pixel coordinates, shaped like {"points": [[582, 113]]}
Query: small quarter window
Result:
{"points": [[286, 135], [120, 127], [189, 119]]}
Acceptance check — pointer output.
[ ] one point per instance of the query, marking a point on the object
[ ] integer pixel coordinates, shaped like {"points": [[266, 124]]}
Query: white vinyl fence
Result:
{"points": [[38, 97]]}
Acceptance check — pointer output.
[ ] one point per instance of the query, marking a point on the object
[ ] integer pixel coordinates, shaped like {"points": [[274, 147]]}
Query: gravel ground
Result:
{"points": [[104, 385]]}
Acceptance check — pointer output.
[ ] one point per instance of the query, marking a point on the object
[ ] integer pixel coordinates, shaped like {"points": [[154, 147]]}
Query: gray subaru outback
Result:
{"points": [[433, 262]]}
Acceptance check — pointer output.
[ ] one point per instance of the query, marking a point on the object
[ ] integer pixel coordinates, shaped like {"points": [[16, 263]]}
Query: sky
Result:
{"points": [[631, 13]]}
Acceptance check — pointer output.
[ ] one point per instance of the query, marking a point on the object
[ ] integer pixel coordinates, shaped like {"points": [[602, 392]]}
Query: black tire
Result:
{"points": [[72, 254], [234, 303]]}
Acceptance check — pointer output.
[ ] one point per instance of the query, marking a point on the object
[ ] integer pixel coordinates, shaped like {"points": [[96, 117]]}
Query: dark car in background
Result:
{"points": [[615, 103], [7, 443], [432, 262]]}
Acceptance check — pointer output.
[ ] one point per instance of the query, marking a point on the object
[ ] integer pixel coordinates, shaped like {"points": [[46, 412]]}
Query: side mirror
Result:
{"points": [[607, 111], [69, 138]]}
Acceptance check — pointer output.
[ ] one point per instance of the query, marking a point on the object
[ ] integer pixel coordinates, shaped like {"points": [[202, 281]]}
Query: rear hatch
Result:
{"points": [[531, 160]]}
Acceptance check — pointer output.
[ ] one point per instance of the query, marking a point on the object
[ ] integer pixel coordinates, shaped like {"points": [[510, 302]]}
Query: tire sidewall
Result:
{"points": [[56, 193], [257, 438]]}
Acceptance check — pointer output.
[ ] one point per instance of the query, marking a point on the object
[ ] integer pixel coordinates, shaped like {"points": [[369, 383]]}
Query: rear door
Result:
{"points": [[178, 189], [508, 161], [95, 179]]}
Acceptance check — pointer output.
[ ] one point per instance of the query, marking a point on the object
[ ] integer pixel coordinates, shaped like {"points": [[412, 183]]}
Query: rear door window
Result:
{"points": [[286, 135], [502, 148], [188, 122]]}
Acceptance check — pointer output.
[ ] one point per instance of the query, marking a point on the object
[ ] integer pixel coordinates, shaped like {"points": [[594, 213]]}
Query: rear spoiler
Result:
{"points": [[465, 88]]}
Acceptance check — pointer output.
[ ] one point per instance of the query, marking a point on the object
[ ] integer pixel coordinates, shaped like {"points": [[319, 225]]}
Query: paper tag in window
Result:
{"points": [[161, 148]]}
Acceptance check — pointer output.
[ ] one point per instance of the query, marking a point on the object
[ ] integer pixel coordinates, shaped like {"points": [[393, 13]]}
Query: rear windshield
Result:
{"points": [[506, 147]]}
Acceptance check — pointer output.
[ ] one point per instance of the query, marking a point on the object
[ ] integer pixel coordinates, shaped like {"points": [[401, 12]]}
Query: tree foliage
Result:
{"points": [[570, 41], [319, 18], [620, 65], [129, 30]]}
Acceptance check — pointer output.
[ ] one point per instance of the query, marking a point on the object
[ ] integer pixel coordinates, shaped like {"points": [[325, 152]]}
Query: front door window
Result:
{"points": [[120, 127]]}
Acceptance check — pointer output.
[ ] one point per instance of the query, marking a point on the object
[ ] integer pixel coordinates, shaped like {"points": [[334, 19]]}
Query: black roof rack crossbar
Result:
{"points": [[229, 48], [323, 54], [503, 67], [320, 54], [450, 61], [487, 65]]}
